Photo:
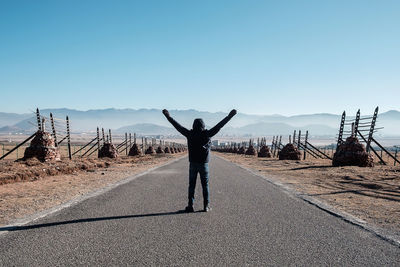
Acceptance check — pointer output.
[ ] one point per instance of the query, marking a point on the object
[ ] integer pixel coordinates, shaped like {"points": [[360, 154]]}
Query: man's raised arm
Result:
{"points": [[174, 123], [214, 130]]}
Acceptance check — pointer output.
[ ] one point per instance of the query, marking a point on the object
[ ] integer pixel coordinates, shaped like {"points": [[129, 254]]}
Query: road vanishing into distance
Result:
{"points": [[253, 222]]}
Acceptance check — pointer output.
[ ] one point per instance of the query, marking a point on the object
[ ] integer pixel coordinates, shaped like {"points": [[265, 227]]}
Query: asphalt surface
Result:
{"points": [[252, 223]]}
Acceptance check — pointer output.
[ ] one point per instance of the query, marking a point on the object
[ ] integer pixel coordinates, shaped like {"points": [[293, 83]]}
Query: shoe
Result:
{"points": [[207, 208], [189, 209]]}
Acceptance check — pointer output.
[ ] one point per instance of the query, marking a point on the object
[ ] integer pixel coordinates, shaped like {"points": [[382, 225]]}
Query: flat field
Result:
{"points": [[28, 187]]}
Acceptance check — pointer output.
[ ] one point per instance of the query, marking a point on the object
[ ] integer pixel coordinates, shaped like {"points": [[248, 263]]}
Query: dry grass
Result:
{"points": [[33, 186]]}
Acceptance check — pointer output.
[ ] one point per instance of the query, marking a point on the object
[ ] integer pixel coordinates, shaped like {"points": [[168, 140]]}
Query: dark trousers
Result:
{"points": [[201, 168]]}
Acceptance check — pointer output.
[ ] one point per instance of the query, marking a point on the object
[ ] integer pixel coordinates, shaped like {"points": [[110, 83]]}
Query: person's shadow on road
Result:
{"points": [[86, 220]]}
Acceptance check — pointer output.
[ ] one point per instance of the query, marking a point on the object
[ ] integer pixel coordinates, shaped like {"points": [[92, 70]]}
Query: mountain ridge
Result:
{"points": [[87, 121]]}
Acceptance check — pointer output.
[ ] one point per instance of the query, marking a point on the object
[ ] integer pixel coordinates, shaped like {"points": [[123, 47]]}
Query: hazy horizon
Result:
{"points": [[365, 112], [152, 121]]}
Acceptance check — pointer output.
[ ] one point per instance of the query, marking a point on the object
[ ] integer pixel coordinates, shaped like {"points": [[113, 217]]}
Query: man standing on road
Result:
{"points": [[199, 143]]}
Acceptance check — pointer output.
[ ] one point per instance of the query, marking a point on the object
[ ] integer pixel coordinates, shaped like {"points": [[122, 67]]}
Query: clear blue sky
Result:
{"points": [[261, 57]]}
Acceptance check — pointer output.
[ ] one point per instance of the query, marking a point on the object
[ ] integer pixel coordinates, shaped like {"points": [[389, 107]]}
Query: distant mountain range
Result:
{"points": [[151, 121]]}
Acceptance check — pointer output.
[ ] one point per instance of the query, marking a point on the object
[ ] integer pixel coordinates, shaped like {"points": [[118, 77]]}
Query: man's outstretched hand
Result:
{"points": [[232, 113], [166, 113]]}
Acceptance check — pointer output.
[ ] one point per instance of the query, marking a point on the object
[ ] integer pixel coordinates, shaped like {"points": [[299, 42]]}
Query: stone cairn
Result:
{"points": [[167, 150], [42, 147], [241, 150], [289, 152], [150, 151], [108, 150], [251, 150], [352, 153], [235, 149], [135, 150], [264, 152], [159, 150]]}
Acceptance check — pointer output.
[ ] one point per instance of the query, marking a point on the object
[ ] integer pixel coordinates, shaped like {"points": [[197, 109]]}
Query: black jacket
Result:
{"points": [[199, 140]]}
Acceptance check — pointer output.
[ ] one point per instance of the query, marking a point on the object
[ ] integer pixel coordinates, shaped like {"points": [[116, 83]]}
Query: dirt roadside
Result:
{"points": [[371, 194], [30, 187]]}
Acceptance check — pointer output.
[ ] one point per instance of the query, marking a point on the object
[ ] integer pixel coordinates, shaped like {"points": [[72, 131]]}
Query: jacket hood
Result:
{"points": [[198, 125]]}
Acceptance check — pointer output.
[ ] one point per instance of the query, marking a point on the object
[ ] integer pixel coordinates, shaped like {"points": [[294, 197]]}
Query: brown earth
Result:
{"points": [[371, 194], [28, 187]]}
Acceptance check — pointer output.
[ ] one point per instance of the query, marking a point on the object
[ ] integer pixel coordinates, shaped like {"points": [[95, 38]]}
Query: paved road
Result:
{"points": [[252, 223]]}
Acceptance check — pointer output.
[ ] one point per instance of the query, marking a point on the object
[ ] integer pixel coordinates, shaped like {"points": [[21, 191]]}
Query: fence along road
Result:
{"points": [[252, 223]]}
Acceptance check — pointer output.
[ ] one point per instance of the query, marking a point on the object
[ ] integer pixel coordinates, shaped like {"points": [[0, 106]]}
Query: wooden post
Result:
{"points": [[279, 144], [299, 140], [294, 137], [305, 146], [109, 131], [43, 124], [340, 137], [290, 139], [143, 145], [394, 164], [126, 144], [69, 139], [272, 143], [134, 138], [38, 119], [53, 128], [104, 138], [371, 129], [98, 142], [356, 123], [130, 140]]}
